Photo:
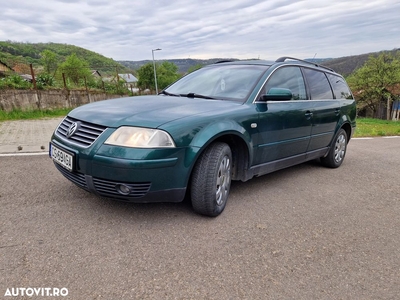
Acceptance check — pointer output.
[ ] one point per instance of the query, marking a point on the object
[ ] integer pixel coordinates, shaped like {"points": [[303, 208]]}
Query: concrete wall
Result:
{"points": [[48, 99]]}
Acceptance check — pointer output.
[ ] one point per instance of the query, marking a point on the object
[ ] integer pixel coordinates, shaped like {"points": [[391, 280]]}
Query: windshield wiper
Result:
{"points": [[194, 95], [169, 94]]}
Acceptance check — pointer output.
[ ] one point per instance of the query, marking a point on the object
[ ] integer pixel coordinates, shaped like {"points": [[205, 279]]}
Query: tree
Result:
{"points": [[49, 61], [75, 69], [146, 77], [194, 68], [167, 73], [373, 82]]}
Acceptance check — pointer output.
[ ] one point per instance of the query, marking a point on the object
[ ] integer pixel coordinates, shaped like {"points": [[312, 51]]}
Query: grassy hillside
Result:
{"points": [[348, 64], [13, 53]]}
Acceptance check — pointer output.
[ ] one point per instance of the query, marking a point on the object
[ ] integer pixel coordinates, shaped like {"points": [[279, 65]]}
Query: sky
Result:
{"points": [[202, 29]]}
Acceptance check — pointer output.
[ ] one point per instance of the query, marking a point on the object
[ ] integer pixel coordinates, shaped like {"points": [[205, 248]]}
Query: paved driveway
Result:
{"points": [[27, 136], [306, 232]]}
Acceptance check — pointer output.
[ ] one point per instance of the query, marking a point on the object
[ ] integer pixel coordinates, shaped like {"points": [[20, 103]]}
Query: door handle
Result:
{"points": [[337, 111], [308, 114]]}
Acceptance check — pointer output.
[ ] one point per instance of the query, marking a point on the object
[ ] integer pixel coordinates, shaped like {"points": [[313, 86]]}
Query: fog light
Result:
{"points": [[123, 189]]}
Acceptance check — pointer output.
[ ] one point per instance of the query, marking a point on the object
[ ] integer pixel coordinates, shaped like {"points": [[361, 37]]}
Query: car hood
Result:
{"points": [[146, 111]]}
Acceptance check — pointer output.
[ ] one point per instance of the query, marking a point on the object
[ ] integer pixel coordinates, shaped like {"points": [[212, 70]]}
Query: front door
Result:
{"points": [[284, 127]]}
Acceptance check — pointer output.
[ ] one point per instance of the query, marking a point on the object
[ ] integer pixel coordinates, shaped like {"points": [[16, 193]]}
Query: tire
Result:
{"points": [[211, 180], [337, 152]]}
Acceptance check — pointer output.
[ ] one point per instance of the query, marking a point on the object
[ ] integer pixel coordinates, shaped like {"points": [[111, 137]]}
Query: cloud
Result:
{"points": [[129, 30]]}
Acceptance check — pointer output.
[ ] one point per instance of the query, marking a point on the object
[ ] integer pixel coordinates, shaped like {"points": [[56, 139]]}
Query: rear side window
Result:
{"points": [[340, 87], [289, 78], [318, 84]]}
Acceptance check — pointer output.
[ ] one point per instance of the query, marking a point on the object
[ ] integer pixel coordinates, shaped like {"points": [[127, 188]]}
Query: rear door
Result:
{"points": [[325, 108]]}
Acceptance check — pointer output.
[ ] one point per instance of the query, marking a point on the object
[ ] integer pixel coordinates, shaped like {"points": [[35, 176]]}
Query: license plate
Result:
{"points": [[62, 157]]}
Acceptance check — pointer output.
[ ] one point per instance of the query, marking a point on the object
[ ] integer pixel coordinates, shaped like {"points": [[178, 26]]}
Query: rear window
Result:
{"points": [[340, 87], [318, 84]]}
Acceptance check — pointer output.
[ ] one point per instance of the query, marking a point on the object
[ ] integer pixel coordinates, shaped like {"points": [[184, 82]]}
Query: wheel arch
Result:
{"points": [[347, 127], [240, 154], [240, 146]]}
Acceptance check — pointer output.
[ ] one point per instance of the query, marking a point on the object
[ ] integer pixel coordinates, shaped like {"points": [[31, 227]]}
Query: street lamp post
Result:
{"points": [[154, 66]]}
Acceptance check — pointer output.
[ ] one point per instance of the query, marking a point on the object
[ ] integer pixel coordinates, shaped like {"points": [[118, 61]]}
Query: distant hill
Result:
{"points": [[183, 64], [348, 64], [342, 65], [13, 53]]}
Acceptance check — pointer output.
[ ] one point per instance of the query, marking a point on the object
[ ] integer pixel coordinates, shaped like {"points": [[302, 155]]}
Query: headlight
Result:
{"points": [[137, 137]]}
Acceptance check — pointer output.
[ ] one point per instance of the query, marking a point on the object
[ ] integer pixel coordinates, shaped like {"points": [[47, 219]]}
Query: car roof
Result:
{"points": [[281, 61], [246, 62]]}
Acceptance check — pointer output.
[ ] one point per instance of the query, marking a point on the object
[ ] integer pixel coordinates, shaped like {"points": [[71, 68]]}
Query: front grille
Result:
{"points": [[107, 188], [85, 134], [77, 178]]}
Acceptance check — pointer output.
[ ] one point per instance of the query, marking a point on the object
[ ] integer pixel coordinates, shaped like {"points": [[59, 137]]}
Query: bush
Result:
{"points": [[14, 82], [44, 80]]}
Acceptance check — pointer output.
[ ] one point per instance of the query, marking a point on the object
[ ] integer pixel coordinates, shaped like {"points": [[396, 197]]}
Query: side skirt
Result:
{"points": [[276, 165]]}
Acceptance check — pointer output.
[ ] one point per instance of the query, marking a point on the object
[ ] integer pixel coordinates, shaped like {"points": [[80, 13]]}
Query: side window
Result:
{"points": [[318, 84], [289, 78], [340, 87]]}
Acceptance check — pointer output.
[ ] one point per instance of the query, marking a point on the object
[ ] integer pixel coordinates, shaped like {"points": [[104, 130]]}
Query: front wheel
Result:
{"points": [[211, 180], [337, 152]]}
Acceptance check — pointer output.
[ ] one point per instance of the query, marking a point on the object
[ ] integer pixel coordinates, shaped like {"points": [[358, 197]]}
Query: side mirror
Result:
{"points": [[278, 94]]}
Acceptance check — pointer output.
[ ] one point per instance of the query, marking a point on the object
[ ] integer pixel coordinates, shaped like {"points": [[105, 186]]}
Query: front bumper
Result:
{"points": [[138, 192], [133, 175]]}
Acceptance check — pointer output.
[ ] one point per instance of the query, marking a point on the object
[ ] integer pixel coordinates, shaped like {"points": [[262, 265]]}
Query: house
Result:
{"points": [[95, 73], [21, 68], [395, 91], [4, 69], [130, 81], [26, 77]]}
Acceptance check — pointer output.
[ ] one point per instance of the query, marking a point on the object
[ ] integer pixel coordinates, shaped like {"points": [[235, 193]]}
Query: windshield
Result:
{"points": [[225, 82]]}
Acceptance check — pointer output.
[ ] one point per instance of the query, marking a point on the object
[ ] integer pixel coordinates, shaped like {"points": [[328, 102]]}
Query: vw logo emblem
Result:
{"points": [[71, 129]]}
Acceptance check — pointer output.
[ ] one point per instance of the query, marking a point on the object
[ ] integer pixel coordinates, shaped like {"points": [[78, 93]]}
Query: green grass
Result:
{"points": [[33, 114], [367, 127]]}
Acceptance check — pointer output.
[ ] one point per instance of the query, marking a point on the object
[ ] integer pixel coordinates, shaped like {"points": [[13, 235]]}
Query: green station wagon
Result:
{"points": [[227, 121]]}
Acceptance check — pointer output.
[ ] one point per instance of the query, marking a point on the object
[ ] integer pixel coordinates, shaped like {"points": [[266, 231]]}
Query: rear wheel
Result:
{"points": [[337, 152], [211, 180]]}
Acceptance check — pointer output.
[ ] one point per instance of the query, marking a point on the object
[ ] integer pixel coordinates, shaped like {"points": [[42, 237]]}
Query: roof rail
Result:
{"points": [[284, 58], [224, 61]]}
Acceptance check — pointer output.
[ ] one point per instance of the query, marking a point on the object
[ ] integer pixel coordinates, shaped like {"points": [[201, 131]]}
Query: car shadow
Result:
{"points": [[120, 209]]}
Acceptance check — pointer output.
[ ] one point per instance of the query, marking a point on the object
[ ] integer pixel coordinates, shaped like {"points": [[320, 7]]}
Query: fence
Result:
{"points": [[396, 110], [110, 81], [49, 99]]}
